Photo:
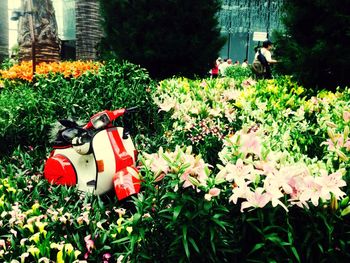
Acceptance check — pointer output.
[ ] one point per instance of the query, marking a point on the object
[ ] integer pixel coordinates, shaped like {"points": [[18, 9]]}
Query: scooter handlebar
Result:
{"points": [[117, 113], [112, 115], [132, 109]]}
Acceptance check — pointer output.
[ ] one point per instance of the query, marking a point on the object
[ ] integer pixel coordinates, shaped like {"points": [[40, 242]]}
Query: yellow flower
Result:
{"points": [[272, 88], [68, 248], [2, 200], [76, 253], [54, 245], [41, 226], [119, 221], [59, 258], [34, 251], [186, 86], [129, 229], [35, 237], [299, 90], [30, 227], [35, 206], [11, 189]]}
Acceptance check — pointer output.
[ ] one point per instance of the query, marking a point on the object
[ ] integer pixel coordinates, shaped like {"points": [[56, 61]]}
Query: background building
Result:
{"points": [[79, 30], [239, 19]]}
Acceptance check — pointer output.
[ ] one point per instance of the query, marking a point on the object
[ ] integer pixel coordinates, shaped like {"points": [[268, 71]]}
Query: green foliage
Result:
{"points": [[238, 73], [7, 63], [39, 217], [315, 235], [27, 111], [168, 221], [177, 219], [165, 36], [315, 46]]}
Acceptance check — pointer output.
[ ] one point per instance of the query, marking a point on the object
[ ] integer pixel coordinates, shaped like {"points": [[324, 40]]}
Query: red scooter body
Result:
{"points": [[96, 157]]}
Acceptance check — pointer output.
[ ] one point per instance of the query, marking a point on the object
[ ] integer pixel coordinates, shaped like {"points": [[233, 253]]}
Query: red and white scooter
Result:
{"points": [[96, 157]]}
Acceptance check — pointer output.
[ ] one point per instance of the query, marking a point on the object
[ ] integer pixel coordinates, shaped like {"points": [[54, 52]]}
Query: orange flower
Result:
{"points": [[69, 69]]}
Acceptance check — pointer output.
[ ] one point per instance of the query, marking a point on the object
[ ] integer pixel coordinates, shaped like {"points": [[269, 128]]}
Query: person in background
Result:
{"points": [[266, 52], [245, 63], [222, 67], [236, 63], [219, 61], [214, 72]]}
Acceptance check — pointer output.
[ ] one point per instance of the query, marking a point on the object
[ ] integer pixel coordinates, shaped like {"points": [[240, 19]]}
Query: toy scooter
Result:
{"points": [[96, 157]]}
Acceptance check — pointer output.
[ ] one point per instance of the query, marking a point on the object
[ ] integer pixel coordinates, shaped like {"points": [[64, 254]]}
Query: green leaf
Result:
{"points": [[295, 253], [121, 240], [274, 238], [212, 243], [136, 217], [193, 243], [184, 241], [256, 247], [169, 195], [177, 211], [219, 223]]}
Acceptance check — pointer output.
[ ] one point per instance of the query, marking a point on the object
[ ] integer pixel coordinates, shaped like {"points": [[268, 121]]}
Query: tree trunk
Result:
{"points": [[4, 30], [88, 29], [47, 43]]}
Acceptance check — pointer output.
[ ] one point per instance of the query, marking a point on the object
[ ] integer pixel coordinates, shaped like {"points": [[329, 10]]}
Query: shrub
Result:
{"points": [[238, 73], [27, 110], [163, 36], [312, 46]]}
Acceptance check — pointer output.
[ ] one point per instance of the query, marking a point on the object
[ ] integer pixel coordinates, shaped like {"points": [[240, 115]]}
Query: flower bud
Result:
{"points": [[346, 132], [331, 124], [341, 155], [345, 211], [331, 134], [334, 203], [193, 181], [344, 202]]}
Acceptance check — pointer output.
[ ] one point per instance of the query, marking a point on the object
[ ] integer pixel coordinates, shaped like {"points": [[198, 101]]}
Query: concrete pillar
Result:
{"points": [[4, 30], [88, 29]]}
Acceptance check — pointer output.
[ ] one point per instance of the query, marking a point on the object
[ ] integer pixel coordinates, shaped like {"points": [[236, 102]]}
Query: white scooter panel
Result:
{"points": [[85, 167], [104, 153]]}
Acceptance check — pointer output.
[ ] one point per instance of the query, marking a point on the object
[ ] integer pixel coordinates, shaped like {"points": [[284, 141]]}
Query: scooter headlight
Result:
{"points": [[100, 121], [81, 145]]}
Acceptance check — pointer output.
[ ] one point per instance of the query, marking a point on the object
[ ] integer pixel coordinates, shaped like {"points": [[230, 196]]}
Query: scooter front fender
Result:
{"points": [[59, 170], [126, 182]]}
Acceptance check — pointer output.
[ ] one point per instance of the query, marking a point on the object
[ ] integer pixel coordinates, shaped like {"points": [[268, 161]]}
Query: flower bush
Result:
{"points": [[69, 69], [261, 176]]}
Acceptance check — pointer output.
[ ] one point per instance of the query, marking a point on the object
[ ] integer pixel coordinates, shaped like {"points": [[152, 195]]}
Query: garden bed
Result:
{"points": [[234, 169]]}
